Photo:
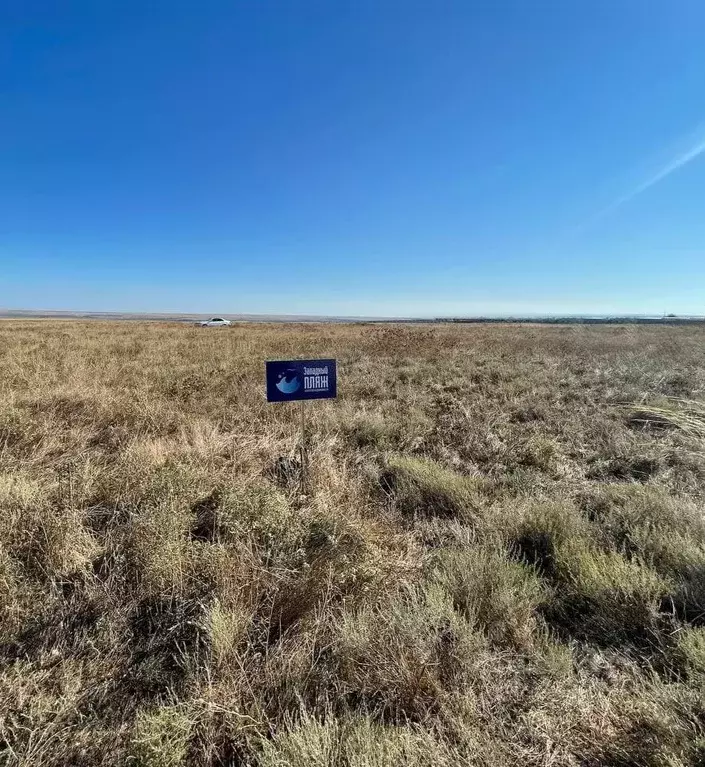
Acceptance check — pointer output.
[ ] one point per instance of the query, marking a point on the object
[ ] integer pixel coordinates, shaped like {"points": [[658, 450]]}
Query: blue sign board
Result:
{"points": [[289, 380]]}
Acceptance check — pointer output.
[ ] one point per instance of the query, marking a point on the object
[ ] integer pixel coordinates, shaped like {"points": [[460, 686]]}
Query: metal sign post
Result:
{"points": [[304, 456], [300, 380]]}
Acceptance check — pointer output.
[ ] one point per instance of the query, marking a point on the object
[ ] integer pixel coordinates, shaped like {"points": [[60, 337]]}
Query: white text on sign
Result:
{"points": [[316, 379]]}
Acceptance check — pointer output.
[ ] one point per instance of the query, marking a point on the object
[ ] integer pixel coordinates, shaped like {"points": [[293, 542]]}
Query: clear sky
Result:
{"points": [[378, 157]]}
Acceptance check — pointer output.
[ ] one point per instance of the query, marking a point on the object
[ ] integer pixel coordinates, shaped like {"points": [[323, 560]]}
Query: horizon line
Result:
{"points": [[9, 313]]}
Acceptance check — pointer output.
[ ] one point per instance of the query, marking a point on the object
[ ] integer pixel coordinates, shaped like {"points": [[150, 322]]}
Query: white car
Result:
{"points": [[215, 322]]}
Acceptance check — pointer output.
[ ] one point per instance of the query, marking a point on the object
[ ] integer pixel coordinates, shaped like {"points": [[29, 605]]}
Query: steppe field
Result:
{"points": [[498, 559]]}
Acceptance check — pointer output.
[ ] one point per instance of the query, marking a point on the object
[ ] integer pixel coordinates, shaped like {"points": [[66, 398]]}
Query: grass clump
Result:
{"points": [[160, 737], [357, 743], [642, 521], [536, 532], [404, 657], [497, 596], [689, 652], [258, 512], [541, 453], [228, 628], [664, 531], [424, 488], [606, 598], [686, 415]]}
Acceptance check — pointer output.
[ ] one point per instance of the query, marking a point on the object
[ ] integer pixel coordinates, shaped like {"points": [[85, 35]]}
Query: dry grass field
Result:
{"points": [[500, 559]]}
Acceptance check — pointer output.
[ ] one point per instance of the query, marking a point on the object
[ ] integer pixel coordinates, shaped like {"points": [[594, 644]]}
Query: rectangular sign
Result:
{"points": [[289, 380]]}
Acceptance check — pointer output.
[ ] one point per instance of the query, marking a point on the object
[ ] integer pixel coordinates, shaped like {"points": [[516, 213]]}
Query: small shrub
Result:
{"points": [[666, 532], [498, 596], [47, 535], [260, 512], [603, 597], [398, 428], [334, 561], [553, 659]]}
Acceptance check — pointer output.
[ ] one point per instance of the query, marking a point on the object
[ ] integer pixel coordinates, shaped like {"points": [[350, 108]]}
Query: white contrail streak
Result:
{"points": [[672, 166], [678, 162]]}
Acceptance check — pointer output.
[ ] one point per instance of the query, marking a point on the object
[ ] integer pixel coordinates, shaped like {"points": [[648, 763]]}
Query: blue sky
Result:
{"points": [[353, 157]]}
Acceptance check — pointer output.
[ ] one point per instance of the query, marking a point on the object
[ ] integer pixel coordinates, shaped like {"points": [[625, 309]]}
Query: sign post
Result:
{"points": [[301, 380], [304, 455]]}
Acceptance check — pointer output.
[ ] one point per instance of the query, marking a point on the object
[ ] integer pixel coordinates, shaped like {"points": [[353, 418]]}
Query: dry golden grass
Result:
{"points": [[500, 560]]}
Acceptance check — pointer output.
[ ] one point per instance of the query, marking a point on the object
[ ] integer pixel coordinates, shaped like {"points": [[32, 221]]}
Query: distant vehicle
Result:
{"points": [[215, 322]]}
